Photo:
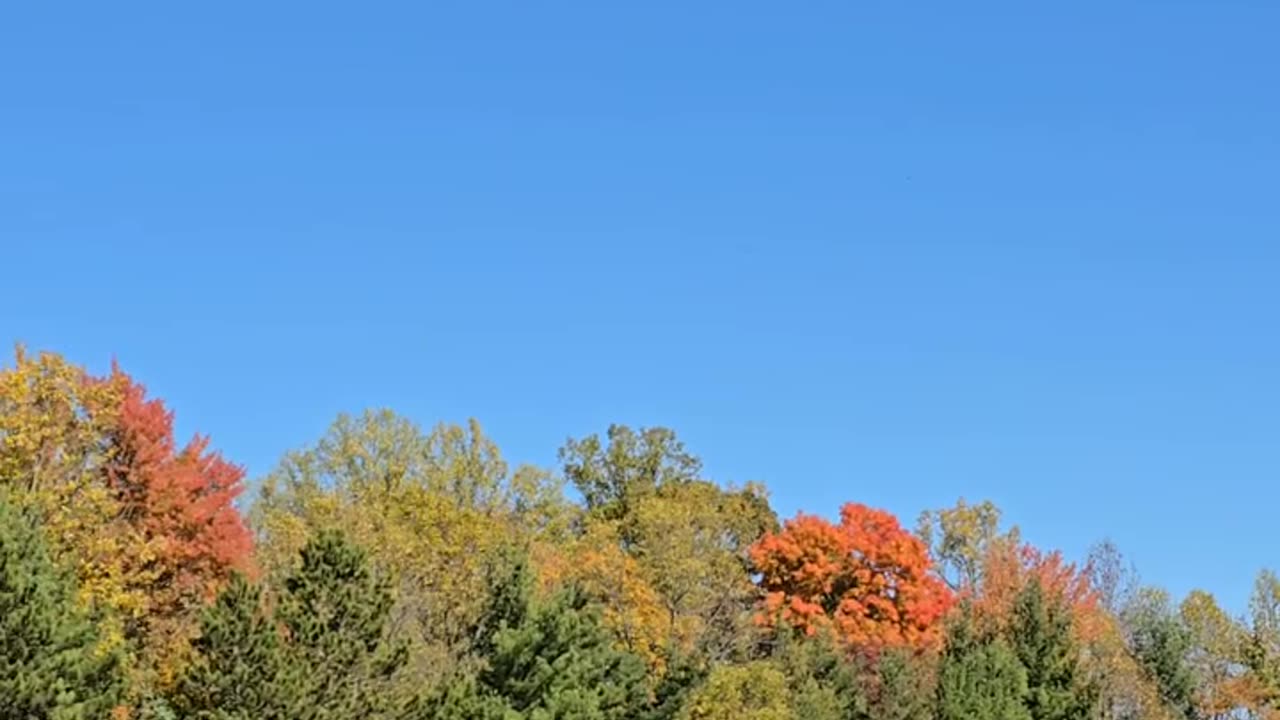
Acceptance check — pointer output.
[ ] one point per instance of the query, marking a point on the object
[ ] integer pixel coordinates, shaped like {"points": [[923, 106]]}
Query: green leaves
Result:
{"points": [[1042, 640], [980, 677], [322, 655], [240, 671], [541, 658], [50, 666]]}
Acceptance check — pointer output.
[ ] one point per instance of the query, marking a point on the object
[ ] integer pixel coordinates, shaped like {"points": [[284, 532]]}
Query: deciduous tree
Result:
{"points": [[866, 577]]}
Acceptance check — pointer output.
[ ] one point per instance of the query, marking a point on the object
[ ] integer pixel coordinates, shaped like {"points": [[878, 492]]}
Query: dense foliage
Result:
{"points": [[392, 573]]}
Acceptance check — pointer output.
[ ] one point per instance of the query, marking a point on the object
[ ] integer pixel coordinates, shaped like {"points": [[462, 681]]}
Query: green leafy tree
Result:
{"points": [[958, 538], [631, 465], [238, 670], [980, 677], [429, 507], [50, 665], [1161, 643], [1262, 648], [1041, 636], [662, 548]]}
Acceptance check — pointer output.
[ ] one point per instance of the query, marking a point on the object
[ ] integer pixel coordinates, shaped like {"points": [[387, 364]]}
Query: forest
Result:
{"points": [[391, 571]]}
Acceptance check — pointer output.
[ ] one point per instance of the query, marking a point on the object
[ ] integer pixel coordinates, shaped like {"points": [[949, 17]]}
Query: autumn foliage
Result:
{"points": [[180, 503], [867, 578], [662, 595], [150, 528]]}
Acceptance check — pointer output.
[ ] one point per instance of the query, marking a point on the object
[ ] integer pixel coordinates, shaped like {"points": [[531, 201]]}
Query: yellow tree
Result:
{"points": [[55, 423], [753, 691], [663, 548], [147, 525], [431, 508]]}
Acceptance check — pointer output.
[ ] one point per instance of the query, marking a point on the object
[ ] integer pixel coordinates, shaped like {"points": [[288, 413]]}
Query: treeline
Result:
{"points": [[390, 573]]}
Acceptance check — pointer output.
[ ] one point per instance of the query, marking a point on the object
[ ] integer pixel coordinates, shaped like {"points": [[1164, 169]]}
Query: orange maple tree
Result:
{"points": [[866, 578], [180, 500], [1009, 567]]}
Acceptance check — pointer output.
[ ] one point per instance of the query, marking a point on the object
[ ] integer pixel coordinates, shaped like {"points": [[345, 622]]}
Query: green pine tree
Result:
{"points": [[561, 663], [238, 671], [904, 688], [824, 681], [50, 665], [540, 660], [980, 677], [1057, 688], [334, 610]]}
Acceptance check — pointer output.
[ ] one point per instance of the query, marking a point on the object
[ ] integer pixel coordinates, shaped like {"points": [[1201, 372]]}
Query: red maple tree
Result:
{"points": [[181, 501], [866, 578]]}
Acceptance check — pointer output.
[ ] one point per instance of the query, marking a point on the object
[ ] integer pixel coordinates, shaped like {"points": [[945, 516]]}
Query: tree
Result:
{"points": [[51, 665], [1041, 637], [540, 657], [825, 681], [149, 528], [180, 502], [632, 464], [55, 426], [867, 578], [980, 677], [753, 691], [560, 663], [1110, 576], [430, 507], [958, 539], [335, 609], [1217, 658], [239, 671], [661, 548], [1162, 644], [905, 685], [1262, 649]]}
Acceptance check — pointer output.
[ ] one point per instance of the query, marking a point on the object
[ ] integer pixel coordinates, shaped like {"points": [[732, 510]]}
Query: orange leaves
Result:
{"points": [[182, 500], [867, 578], [1009, 567], [180, 503]]}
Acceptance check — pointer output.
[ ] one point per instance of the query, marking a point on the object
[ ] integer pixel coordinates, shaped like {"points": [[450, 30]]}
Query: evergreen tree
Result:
{"points": [[561, 663], [672, 691], [1057, 688], [823, 679], [334, 610], [904, 687], [980, 677], [540, 660], [238, 671], [50, 665]]}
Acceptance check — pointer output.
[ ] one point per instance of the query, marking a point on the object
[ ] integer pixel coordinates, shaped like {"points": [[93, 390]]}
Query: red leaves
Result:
{"points": [[181, 500], [867, 578]]}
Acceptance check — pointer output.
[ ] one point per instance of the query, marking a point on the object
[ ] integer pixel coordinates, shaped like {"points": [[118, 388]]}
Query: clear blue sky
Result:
{"points": [[894, 252]]}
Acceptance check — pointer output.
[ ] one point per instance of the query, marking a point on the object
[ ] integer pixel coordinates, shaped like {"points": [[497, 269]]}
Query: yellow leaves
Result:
{"points": [[1126, 686], [53, 421], [430, 509], [754, 691], [633, 608]]}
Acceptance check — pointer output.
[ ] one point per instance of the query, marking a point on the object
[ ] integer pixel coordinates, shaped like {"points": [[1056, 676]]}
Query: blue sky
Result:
{"points": [[878, 251]]}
